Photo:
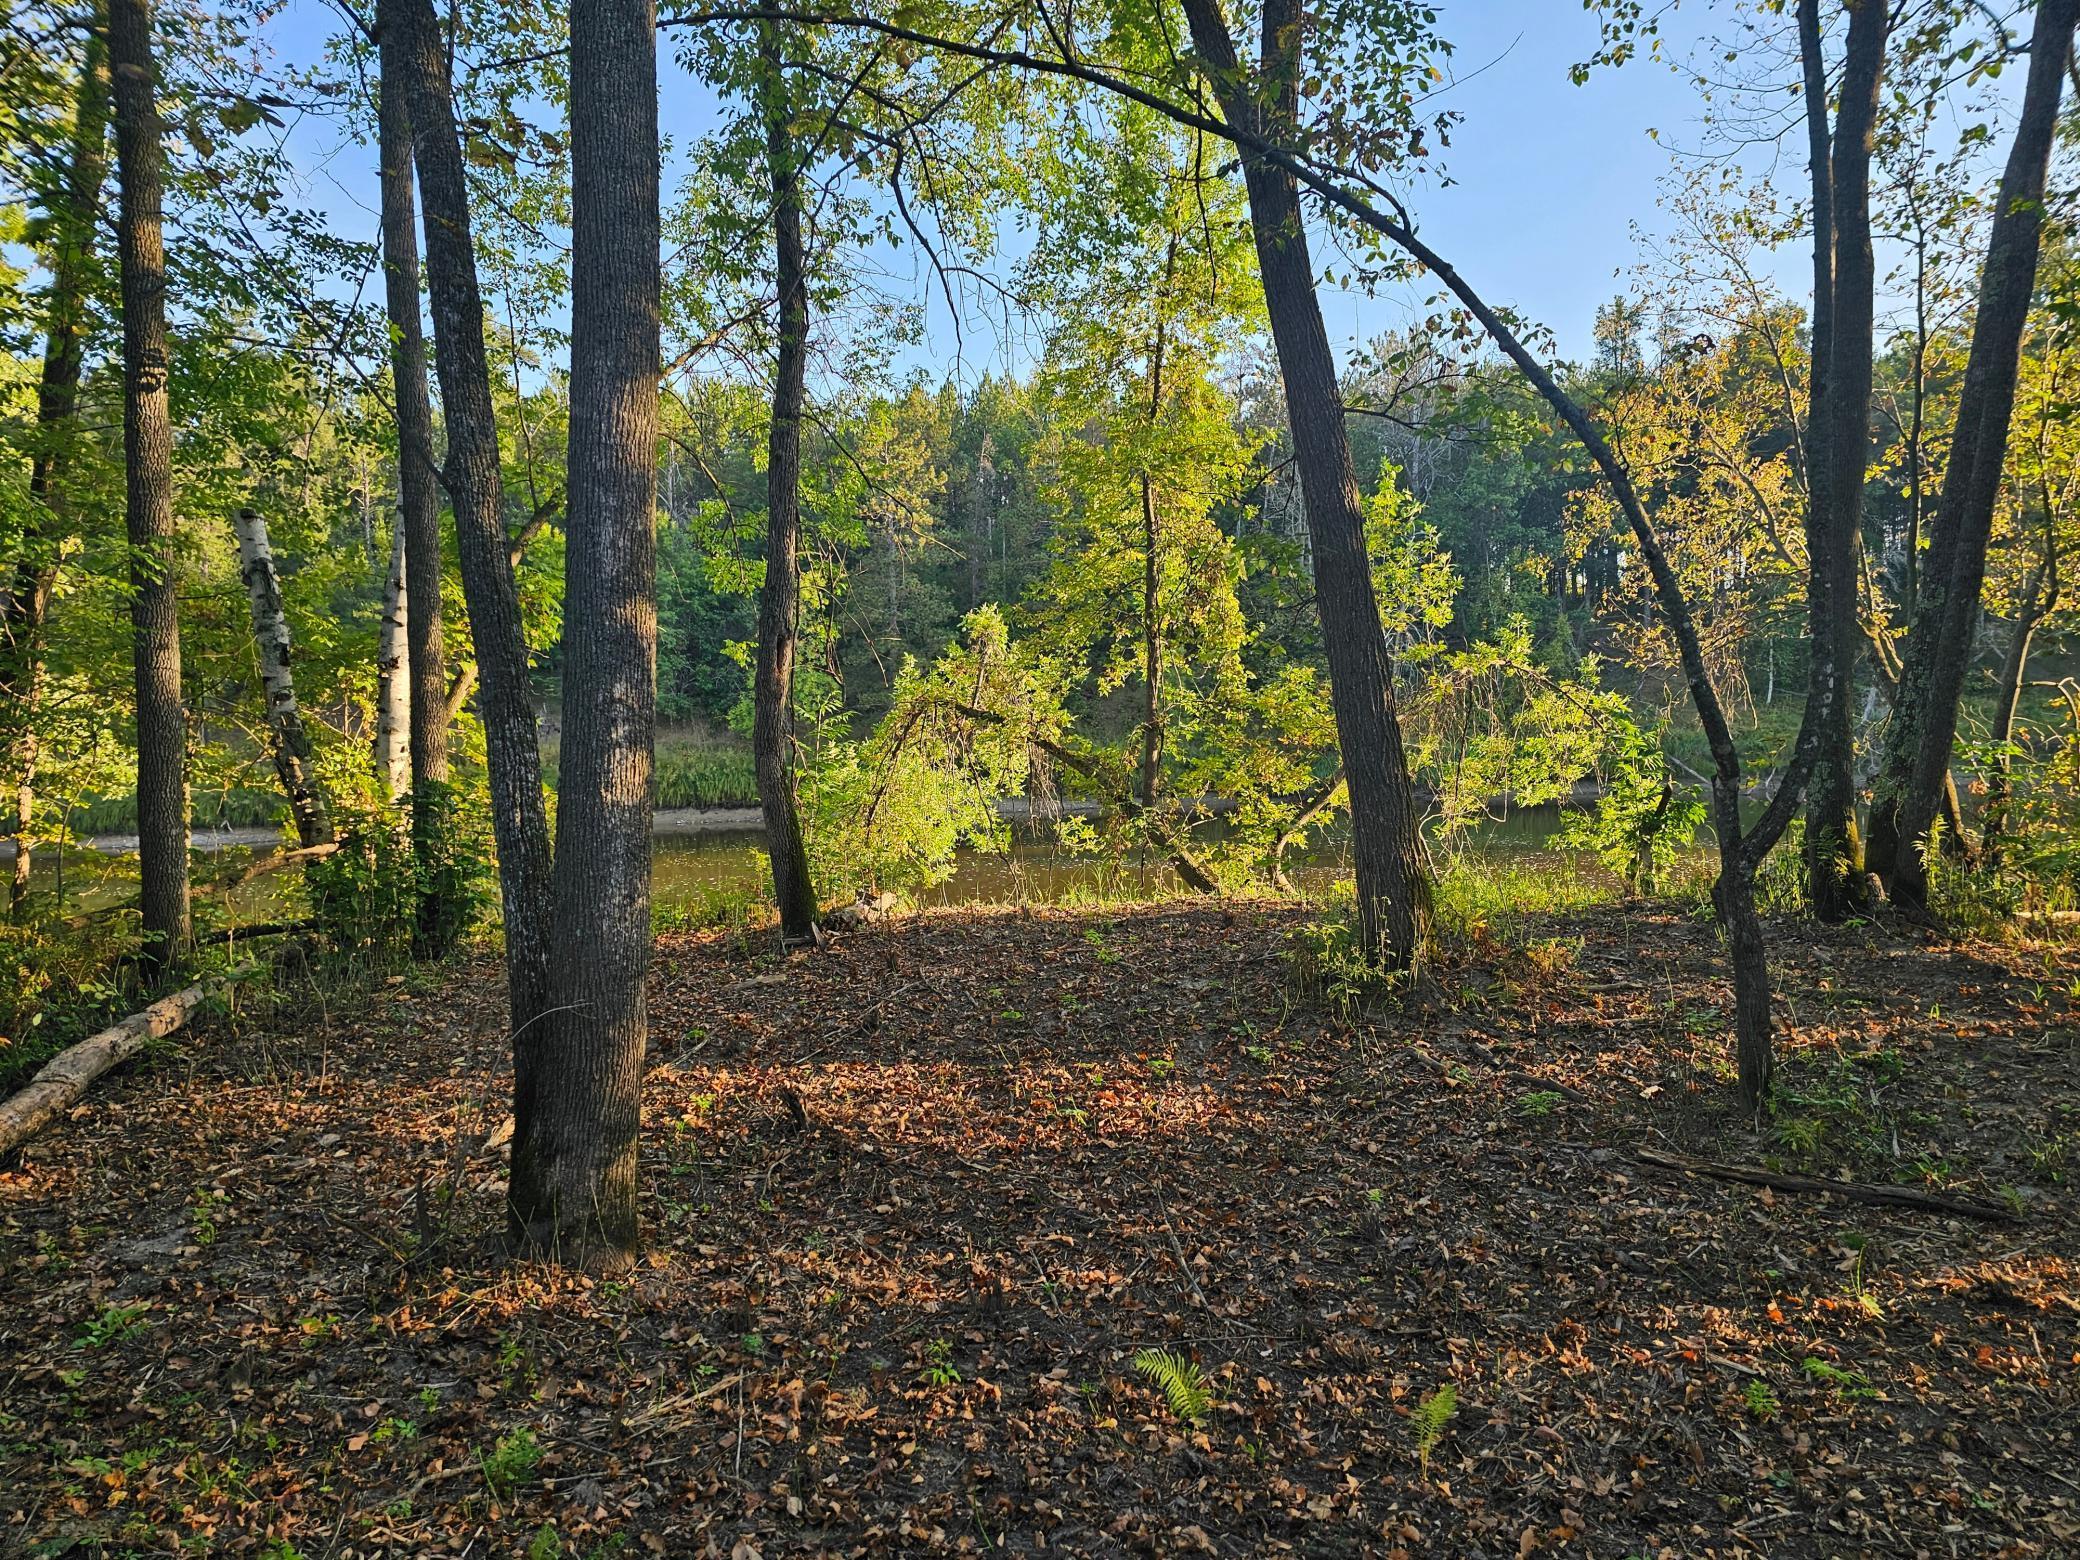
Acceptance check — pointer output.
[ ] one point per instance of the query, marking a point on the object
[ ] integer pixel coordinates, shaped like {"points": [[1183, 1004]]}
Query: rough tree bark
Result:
{"points": [[393, 679], [72, 216], [1393, 882], [418, 496], [1838, 435], [1923, 728], [162, 782], [475, 491], [578, 1076], [288, 739], [772, 735]]}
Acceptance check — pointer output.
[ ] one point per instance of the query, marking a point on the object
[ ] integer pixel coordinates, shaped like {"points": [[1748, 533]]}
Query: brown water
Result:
{"points": [[694, 870]]}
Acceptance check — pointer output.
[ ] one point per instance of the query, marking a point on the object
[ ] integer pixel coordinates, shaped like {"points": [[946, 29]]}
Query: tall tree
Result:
{"points": [[578, 1075], [162, 783], [69, 217], [1923, 727], [772, 735], [418, 490], [69, 220], [475, 491], [1838, 433], [1393, 881]]}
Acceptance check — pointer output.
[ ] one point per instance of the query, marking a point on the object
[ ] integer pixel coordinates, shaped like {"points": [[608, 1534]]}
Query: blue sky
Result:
{"points": [[1548, 181]]}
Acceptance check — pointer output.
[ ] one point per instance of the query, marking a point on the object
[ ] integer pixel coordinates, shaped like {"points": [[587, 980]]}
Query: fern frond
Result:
{"points": [[1428, 1421], [1183, 1383]]}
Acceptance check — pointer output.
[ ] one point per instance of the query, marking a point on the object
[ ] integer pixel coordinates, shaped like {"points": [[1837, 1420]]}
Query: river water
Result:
{"points": [[692, 870]]}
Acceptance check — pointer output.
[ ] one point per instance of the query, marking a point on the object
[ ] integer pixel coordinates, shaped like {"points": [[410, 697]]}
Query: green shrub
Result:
{"points": [[379, 898], [57, 985]]}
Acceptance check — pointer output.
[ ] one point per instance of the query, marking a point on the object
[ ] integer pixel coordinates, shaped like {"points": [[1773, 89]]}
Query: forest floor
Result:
{"points": [[248, 1304]]}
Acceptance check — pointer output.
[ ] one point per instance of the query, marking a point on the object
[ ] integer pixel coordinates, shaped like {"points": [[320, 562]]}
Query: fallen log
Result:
{"points": [[232, 934], [58, 1085], [1852, 1191]]}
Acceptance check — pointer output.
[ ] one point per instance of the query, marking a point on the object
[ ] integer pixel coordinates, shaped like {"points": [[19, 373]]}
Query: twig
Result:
{"points": [[1853, 1191], [1183, 1266]]}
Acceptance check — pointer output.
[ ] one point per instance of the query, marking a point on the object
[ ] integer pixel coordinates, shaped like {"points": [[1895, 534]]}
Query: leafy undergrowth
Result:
{"points": [[1009, 1232]]}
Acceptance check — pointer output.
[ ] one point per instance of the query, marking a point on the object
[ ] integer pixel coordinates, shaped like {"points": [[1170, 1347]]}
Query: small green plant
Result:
{"points": [[1855, 1288], [1846, 1383], [1552, 957], [1105, 952], [202, 1215], [1427, 1423], [1327, 967], [1540, 1102], [1761, 1402], [1182, 1381], [939, 1369], [113, 1325], [511, 1462], [547, 1543]]}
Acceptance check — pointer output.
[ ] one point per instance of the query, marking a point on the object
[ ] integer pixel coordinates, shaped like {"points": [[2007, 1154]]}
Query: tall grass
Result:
{"points": [[229, 807], [694, 769], [706, 777]]}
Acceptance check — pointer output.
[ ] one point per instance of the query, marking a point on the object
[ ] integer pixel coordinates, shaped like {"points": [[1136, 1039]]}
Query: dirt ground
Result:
{"points": [[916, 1205]]}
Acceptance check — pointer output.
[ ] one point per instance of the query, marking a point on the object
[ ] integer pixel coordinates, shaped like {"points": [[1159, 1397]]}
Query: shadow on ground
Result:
{"points": [[915, 1205]]}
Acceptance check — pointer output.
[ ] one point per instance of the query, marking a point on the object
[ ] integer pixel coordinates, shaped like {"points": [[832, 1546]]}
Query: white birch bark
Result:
{"points": [[394, 688], [288, 740]]}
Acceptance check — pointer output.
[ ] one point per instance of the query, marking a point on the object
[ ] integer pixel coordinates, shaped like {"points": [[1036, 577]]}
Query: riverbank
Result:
{"points": [[918, 1207]]}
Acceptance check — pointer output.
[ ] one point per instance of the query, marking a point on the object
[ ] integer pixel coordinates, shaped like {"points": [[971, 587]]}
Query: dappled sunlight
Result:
{"points": [[912, 1209]]}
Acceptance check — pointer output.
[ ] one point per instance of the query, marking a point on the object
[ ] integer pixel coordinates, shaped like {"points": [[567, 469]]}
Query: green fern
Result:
{"points": [[1429, 1419], [1183, 1383]]}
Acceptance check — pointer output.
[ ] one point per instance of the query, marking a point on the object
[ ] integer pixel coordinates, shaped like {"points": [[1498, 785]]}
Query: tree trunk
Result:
{"points": [[288, 740], [1151, 561], [419, 506], [1838, 438], [475, 490], [72, 216], [1939, 647], [162, 785], [2039, 598], [980, 498], [577, 1105], [1151, 648], [1740, 851], [772, 736], [393, 680], [1393, 883]]}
